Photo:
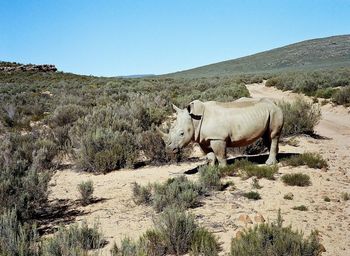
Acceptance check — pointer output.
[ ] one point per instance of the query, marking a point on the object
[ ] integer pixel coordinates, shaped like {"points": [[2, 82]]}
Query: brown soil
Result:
{"points": [[227, 212]]}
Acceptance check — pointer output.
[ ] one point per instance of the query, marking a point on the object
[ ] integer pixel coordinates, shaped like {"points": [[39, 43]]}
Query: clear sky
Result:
{"points": [[123, 37]]}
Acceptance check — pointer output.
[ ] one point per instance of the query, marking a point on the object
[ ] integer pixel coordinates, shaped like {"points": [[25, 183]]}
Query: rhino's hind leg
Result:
{"points": [[273, 152], [219, 148]]}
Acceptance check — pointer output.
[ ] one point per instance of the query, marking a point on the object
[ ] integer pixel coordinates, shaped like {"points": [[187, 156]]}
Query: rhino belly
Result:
{"points": [[248, 128]]}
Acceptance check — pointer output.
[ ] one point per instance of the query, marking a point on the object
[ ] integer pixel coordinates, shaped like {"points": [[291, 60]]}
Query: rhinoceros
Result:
{"points": [[218, 125]]}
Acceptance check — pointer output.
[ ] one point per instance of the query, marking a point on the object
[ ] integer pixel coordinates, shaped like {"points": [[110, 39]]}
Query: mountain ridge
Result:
{"points": [[333, 51]]}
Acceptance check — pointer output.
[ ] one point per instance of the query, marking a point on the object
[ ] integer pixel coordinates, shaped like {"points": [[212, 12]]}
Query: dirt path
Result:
{"points": [[221, 212]]}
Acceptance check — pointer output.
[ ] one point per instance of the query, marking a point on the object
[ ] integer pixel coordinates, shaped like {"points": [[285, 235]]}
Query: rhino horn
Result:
{"points": [[176, 108], [162, 134]]}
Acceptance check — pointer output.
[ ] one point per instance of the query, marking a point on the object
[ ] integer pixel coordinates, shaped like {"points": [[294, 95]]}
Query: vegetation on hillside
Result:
{"points": [[321, 53]]}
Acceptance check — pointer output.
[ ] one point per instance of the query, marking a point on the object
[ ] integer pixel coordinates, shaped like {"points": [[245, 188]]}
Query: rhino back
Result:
{"points": [[237, 122]]}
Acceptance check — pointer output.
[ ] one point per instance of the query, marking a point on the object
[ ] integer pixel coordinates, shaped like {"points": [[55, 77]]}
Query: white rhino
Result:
{"points": [[217, 125]]}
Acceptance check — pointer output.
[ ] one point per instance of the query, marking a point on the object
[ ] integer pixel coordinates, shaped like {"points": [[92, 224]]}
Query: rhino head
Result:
{"points": [[181, 132]]}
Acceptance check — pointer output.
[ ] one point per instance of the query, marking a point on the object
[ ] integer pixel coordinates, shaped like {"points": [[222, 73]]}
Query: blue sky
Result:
{"points": [[123, 37]]}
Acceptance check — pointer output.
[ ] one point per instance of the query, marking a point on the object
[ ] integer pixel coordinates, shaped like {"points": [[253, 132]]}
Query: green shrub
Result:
{"points": [[209, 178], [326, 93], [179, 192], [300, 208], [17, 239], [273, 239], [296, 179], [177, 228], [141, 194], [312, 160], [75, 240], [252, 195], [153, 147], [151, 243], [342, 96], [103, 150], [86, 190], [204, 243], [66, 114], [127, 248], [300, 117]]}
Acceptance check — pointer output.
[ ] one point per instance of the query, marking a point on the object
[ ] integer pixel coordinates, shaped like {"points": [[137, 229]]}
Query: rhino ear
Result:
{"points": [[196, 109]]}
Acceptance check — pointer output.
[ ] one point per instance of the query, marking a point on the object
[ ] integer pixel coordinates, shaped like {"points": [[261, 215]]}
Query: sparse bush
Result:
{"points": [[204, 243], [296, 179], [300, 117], [128, 247], [312, 160], [179, 192], [17, 239], [342, 96], [252, 195], [142, 194], [177, 228], [345, 196], [86, 190], [75, 240], [274, 239], [66, 114], [325, 93], [209, 178], [300, 208], [152, 243]]}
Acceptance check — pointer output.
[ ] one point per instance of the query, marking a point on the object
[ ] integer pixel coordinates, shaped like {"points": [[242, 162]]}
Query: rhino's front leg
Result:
{"points": [[219, 148]]}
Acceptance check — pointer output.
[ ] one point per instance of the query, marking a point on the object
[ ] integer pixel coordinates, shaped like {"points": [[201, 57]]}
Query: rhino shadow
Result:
{"points": [[257, 159]]}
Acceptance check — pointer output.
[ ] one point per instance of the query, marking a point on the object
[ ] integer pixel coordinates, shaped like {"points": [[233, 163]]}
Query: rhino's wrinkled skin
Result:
{"points": [[216, 126]]}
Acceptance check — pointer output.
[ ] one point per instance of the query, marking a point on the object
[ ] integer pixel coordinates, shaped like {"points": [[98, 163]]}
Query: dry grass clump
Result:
{"points": [[274, 239], [253, 195], [312, 160], [247, 169], [296, 179], [209, 178]]}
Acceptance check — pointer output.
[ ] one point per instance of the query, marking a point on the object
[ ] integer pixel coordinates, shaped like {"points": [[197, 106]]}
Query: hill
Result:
{"points": [[312, 54]]}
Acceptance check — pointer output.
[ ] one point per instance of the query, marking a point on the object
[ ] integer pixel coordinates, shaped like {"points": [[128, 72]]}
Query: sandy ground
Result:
{"points": [[221, 212]]}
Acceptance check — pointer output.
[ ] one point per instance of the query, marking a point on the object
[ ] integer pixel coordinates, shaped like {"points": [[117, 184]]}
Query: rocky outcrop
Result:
{"points": [[29, 67]]}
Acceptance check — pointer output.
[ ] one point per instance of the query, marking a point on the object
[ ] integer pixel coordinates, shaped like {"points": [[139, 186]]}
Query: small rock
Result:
{"points": [[245, 219], [259, 218]]}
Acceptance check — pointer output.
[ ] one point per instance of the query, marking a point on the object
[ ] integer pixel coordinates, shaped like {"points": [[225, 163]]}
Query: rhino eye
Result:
{"points": [[182, 133]]}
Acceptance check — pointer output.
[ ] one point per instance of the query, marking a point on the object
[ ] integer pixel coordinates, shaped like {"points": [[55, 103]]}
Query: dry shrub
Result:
{"points": [[342, 96], [274, 239], [300, 117]]}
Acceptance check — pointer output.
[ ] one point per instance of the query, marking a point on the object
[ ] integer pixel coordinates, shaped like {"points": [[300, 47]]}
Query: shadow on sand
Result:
{"points": [[257, 159], [61, 212]]}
